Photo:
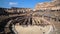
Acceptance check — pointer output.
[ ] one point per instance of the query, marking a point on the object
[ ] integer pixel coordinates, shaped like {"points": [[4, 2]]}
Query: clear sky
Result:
{"points": [[20, 3]]}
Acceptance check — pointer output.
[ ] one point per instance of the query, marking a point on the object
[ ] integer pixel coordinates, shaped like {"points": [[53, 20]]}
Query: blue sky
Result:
{"points": [[20, 3]]}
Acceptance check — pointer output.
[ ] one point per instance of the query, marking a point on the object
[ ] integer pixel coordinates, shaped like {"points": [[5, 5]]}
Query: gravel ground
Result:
{"points": [[33, 29]]}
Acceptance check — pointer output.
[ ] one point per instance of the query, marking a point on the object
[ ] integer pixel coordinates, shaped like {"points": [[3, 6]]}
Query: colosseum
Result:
{"points": [[43, 19]]}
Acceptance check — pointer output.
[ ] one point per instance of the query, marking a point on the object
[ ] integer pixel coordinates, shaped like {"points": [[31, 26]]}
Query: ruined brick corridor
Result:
{"points": [[29, 23]]}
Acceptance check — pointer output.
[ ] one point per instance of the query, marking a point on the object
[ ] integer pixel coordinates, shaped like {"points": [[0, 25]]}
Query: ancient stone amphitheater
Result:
{"points": [[44, 19]]}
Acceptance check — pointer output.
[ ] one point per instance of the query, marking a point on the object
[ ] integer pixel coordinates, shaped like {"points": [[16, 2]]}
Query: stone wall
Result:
{"points": [[53, 5], [18, 10]]}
